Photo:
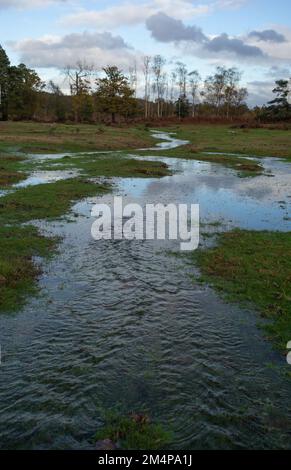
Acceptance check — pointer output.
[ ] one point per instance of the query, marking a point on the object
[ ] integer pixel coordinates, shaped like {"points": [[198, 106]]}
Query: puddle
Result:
{"points": [[43, 177]]}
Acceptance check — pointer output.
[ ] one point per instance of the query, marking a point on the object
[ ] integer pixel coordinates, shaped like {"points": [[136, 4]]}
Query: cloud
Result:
{"points": [[26, 4], [260, 92], [269, 35], [129, 14], [98, 49], [224, 43], [279, 72], [167, 29]]}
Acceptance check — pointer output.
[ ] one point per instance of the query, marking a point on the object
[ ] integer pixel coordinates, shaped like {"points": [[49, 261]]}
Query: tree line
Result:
{"points": [[113, 94]]}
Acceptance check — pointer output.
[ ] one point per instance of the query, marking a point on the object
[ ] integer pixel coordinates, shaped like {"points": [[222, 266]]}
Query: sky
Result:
{"points": [[253, 35]]}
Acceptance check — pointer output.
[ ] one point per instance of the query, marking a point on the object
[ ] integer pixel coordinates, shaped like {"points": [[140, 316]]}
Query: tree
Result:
{"points": [[222, 91], [146, 70], [182, 78], [4, 82], [133, 77], [194, 86], [58, 98], [79, 78], [24, 86], [280, 107], [182, 107], [114, 94], [214, 88], [159, 80]]}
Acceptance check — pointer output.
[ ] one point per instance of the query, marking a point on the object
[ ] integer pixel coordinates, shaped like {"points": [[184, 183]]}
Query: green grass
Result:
{"points": [[51, 201], [221, 138], [134, 433], [18, 272], [30, 137], [245, 167], [46, 201], [112, 165], [253, 267], [10, 170]]}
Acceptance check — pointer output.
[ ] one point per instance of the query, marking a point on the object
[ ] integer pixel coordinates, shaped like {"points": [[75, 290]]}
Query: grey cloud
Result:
{"points": [[260, 92], [167, 29], [269, 35], [278, 72], [237, 46], [87, 40]]}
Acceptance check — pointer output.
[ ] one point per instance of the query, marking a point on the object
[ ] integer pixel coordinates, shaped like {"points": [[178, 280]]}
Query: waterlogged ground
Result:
{"points": [[121, 325]]}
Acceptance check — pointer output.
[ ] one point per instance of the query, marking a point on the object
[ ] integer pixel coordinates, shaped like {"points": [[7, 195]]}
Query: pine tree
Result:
{"points": [[280, 108]]}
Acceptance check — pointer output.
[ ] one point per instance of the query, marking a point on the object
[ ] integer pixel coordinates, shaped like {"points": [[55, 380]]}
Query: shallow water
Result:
{"points": [[43, 177], [122, 325]]}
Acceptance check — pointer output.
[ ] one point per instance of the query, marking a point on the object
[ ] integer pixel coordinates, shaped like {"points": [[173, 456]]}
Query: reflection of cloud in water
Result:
{"points": [[248, 202]]}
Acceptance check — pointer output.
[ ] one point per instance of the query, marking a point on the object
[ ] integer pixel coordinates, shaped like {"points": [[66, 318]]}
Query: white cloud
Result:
{"points": [[134, 12], [98, 49], [24, 4], [129, 13]]}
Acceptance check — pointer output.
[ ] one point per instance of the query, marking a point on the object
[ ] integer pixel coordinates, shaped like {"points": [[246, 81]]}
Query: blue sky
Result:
{"points": [[254, 35]]}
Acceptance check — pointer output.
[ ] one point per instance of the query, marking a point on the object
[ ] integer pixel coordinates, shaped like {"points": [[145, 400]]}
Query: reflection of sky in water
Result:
{"points": [[42, 177], [257, 203]]}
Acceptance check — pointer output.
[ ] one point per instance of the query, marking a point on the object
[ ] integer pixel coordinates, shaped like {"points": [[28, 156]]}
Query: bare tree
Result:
{"points": [[159, 79], [182, 78], [233, 77], [79, 77], [194, 87], [146, 70], [133, 77], [182, 82]]}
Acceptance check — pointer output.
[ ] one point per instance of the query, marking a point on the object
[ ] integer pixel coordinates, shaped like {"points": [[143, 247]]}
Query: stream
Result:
{"points": [[121, 325]]}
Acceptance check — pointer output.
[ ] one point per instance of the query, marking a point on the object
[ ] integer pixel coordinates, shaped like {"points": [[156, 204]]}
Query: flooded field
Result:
{"points": [[121, 325]]}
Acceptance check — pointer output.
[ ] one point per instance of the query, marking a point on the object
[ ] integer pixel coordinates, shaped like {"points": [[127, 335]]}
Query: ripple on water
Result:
{"points": [[122, 323]]}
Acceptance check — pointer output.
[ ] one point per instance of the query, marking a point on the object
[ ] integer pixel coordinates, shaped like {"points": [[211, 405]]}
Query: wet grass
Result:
{"points": [[134, 432], [113, 165], [29, 137], [9, 170], [50, 201], [244, 167], [221, 138], [253, 268], [46, 201], [18, 272]]}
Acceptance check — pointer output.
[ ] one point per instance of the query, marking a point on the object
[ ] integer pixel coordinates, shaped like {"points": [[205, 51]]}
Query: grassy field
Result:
{"points": [[30, 137], [253, 268], [246, 266], [222, 138]]}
